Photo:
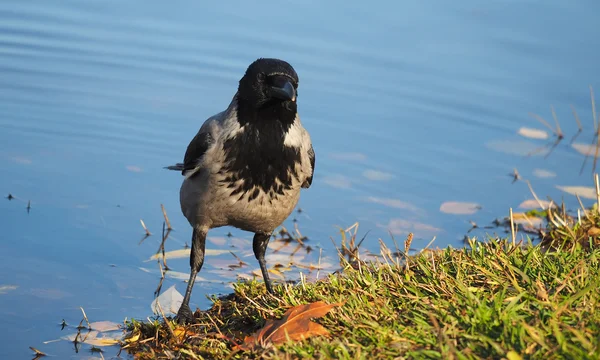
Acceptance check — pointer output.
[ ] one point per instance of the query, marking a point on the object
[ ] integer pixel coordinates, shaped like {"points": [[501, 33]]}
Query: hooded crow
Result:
{"points": [[246, 165]]}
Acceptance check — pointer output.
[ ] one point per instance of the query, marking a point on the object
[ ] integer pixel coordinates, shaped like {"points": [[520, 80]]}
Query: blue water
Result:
{"points": [[409, 104]]}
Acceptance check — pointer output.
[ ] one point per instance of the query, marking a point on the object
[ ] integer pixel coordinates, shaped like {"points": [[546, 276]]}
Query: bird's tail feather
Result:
{"points": [[178, 167]]}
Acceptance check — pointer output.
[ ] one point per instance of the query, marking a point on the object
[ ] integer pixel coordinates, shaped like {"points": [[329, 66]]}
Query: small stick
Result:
{"points": [[512, 226], [596, 153], [240, 261], [583, 207], [558, 129], [319, 268], [544, 122], [597, 189], [579, 126], [428, 245], [86, 318], [37, 352], [165, 319], [166, 217], [594, 108], [161, 248], [148, 233], [534, 195], [576, 118], [162, 278]]}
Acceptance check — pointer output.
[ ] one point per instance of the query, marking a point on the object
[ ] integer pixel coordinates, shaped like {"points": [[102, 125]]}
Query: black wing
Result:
{"points": [[311, 156], [196, 150]]}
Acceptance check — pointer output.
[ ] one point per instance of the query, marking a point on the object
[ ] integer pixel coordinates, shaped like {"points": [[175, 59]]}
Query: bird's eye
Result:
{"points": [[261, 76]]}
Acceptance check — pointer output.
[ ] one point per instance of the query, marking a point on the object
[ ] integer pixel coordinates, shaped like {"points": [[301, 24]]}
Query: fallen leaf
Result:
{"points": [[6, 288], [401, 226], [170, 301], [132, 338], [585, 149], [395, 203], [459, 208], [583, 191], [180, 332], [294, 325], [348, 156], [523, 219], [185, 253], [95, 338], [513, 355], [104, 326], [593, 231], [541, 173], [338, 181], [134, 168], [534, 204], [377, 175], [533, 133], [284, 258]]}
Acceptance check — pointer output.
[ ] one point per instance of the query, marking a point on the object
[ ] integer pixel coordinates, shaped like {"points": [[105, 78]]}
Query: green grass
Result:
{"points": [[488, 300]]}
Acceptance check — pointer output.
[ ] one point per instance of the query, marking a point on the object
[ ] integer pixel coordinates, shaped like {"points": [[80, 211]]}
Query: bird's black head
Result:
{"points": [[268, 91]]}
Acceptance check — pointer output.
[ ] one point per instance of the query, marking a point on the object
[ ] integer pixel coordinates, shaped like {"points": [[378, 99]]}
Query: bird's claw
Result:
{"points": [[184, 315]]}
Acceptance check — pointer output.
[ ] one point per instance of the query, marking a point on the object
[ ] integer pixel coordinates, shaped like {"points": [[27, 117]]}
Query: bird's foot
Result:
{"points": [[184, 315]]}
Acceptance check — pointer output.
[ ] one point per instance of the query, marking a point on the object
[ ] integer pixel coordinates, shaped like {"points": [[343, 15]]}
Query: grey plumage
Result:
{"points": [[246, 165]]}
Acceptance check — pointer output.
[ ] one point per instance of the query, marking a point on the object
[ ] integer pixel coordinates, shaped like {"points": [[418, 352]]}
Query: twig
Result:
{"points": [[594, 109], [596, 153], [86, 318], [162, 278], [579, 126], [425, 248], [161, 248], [166, 320], [512, 226], [148, 233], [559, 132], [597, 189], [166, 217], [587, 154], [583, 207], [319, 268], [544, 122], [534, 195], [37, 352]]}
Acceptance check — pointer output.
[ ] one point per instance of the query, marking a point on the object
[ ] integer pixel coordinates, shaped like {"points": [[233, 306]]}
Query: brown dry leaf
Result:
{"points": [[295, 325], [594, 231], [180, 332]]}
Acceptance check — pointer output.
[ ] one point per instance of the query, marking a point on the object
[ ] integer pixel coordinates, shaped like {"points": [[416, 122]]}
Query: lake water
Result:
{"points": [[410, 105]]}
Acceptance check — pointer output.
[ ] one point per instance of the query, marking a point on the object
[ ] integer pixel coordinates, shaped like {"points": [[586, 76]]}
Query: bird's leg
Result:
{"points": [[196, 260], [259, 245]]}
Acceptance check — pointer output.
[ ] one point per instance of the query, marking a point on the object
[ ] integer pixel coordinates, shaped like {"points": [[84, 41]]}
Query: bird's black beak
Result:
{"points": [[283, 89]]}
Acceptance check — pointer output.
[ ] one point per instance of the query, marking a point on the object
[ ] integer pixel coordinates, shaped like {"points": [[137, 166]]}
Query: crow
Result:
{"points": [[246, 165]]}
